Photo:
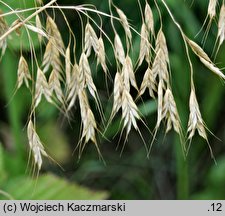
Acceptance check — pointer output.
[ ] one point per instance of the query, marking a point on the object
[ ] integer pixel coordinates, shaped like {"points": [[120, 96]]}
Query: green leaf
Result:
{"points": [[49, 187]]}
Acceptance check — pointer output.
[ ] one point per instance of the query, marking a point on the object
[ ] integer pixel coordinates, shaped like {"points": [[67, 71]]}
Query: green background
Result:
{"points": [[130, 175]]}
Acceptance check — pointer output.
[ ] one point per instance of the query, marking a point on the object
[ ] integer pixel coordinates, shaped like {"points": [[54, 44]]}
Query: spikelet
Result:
{"points": [[128, 74], [195, 119], [23, 74], [160, 104], [145, 47], [125, 24], [68, 66], [73, 87], [35, 145], [221, 25], [36, 30], [118, 48], [170, 112], [55, 86], [51, 57], [161, 61], [54, 48], [90, 40], [85, 76], [89, 126], [39, 26], [161, 45], [101, 55], [148, 82], [41, 88], [149, 20], [211, 14], [196, 122], [129, 111], [212, 9], [123, 99], [54, 33], [198, 50], [204, 58], [117, 93], [160, 113], [3, 29]]}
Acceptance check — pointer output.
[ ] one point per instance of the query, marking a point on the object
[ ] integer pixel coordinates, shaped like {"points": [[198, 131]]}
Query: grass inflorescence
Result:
{"points": [[64, 77]]}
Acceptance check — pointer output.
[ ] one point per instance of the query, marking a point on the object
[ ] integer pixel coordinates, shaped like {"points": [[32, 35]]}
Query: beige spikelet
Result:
{"points": [[195, 119], [88, 121], [213, 68], [161, 45], [41, 88], [117, 93], [123, 99], [68, 66], [54, 33], [221, 25], [170, 112], [145, 48], [119, 50], [73, 87], [90, 40], [149, 20], [85, 76], [23, 74], [101, 55], [198, 50], [89, 126], [196, 122], [39, 26], [3, 29], [128, 74], [55, 86], [160, 104], [129, 111], [161, 62], [35, 144], [125, 25], [51, 57], [204, 58], [211, 14], [212, 8], [148, 82]]}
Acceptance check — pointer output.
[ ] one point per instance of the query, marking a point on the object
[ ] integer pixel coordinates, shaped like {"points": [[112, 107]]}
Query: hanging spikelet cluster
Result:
{"points": [[64, 77]]}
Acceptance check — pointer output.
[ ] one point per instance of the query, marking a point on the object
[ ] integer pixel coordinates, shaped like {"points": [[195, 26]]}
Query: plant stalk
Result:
{"points": [[182, 184]]}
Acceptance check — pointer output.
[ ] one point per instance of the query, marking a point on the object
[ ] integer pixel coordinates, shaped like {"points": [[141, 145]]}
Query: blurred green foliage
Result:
{"points": [[166, 174]]}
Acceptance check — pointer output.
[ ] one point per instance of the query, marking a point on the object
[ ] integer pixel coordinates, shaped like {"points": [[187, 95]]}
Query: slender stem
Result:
{"points": [[81, 8], [185, 39], [181, 163], [182, 172], [18, 11], [18, 25]]}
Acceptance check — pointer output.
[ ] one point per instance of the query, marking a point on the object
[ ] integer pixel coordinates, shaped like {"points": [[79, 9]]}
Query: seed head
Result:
{"points": [[23, 74]]}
